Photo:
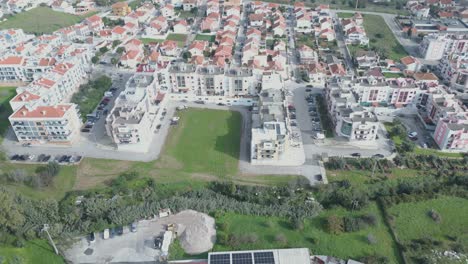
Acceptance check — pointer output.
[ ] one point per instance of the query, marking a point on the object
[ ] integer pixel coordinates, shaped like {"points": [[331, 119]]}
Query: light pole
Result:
{"points": [[46, 229]]}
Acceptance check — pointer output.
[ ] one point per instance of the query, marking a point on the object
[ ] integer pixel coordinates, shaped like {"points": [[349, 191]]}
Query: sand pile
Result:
{"points": [[197, 231]]}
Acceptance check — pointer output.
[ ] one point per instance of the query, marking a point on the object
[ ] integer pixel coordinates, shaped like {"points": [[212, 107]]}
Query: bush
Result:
{"points": [[434, 215], [335, 224], [371, 239]]}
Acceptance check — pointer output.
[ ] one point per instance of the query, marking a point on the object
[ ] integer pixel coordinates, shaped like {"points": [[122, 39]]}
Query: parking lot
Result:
{"points": [[142, 243]]}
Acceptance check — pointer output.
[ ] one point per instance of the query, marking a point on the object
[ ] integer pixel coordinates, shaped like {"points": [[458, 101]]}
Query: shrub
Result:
{"points": [[371, 239], [434, 215], [335, 224]]}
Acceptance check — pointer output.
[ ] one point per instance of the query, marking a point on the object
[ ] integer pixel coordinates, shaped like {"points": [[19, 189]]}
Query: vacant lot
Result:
{"points": [[90, 94], [209, 38], [35, 251], [207, 141], [381, 39], [151, 40], [273, 232], [413, 221], [180, 38], [40, 20]]}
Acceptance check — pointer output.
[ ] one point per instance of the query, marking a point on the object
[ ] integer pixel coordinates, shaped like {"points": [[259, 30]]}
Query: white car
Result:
{"points": [[105, 235], [412, 134]]}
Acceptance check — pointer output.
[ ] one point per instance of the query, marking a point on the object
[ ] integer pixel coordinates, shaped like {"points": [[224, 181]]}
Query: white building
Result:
{"points": [[131, 121], [432, 47]]}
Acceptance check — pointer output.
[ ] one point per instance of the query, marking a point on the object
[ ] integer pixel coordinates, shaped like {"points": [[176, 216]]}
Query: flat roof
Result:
{"points": [[271, 256]]}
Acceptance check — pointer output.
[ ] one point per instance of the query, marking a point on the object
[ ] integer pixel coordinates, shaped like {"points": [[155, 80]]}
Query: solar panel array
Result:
{"points": [[264, 257], [220, 259], [242, 258]]}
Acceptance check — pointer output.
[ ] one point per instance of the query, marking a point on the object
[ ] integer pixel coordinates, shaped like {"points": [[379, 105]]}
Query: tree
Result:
{"points": [[120, 50], [281, 238], [115, 43], [103, 50], [95, 59], [114, 61], [10, 216]]}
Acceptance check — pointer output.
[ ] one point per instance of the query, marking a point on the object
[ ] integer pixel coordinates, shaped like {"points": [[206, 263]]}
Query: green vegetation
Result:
{"points": [[180, 38], [218, 129], [393, 75], [188, 14], [325, 120], [6, 94], [151, 40], [399, 136], [381, 39], [412, 220], [178, 253], [135, 4], [90, 94], [345, 15], [246, 232], [210, 38], [34, 252], [40, 20]]}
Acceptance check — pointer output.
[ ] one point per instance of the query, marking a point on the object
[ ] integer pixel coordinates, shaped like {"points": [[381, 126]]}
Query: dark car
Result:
{"points": [[380, 156], [157, 242], [92, 237], [119, 230], [356, 154], [14, 157], [308, 90], [318, 177], [85, 130], [199, 102], [221, 104], [158, 126]]}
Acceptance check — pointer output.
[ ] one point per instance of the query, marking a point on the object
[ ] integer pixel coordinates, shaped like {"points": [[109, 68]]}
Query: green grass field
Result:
{"points": [[381, 38], [150, 40], [411, 220], [40, 20], [209, 38], [314, 235], [207, 141], [35, 252], [180, 38]]}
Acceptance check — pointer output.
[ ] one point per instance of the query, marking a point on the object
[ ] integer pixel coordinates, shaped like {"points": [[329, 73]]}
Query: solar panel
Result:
{"points": [[264, 257], [220, 259], [242, 258]]}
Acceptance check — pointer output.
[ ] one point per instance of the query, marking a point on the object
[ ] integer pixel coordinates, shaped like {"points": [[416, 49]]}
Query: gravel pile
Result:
{"points": [[198, 234]]}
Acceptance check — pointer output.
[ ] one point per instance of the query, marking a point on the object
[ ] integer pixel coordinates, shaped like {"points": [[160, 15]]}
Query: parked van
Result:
{"points": [[105, 235]]}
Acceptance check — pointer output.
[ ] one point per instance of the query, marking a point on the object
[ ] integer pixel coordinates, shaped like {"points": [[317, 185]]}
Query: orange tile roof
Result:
{"points": [[42, 112], [11, 60], [25, 97]]}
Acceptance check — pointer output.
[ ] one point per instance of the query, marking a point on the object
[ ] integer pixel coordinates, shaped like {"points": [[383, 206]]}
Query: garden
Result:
{"points": [[90, 94]]}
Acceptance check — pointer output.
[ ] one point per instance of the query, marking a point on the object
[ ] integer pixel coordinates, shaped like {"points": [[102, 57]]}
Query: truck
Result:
{"points": [[105, 235]]}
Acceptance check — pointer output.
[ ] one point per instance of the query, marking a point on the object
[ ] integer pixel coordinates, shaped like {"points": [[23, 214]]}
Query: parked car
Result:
{"points": [[413, 134], [357, 155], [92, 237], [199, 102], [308, 90], [157, 242], [380, 156], [105, 234], [119, 230], [133, 227]]}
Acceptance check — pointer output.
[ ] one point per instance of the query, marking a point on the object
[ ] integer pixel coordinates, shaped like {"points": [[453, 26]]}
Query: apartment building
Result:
{"points": [[131, 121], [451, 133], [207, 80], [453, 69], [12, 37], [432, 47], [41, 112], [356, 123], [351, 120], [210, 80], [270, 136], [39, 124]]}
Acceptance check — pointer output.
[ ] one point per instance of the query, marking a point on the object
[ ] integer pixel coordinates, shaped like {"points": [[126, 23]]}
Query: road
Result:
{"points": [[342, 46]]}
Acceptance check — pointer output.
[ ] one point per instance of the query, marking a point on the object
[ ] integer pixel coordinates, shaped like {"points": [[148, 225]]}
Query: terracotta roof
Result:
{"points": [[118, 30], [408, 60], [421, 76], [120, 5], [12, 60], [62, 68], [25, 97], [42, 112], [46, 83]]}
